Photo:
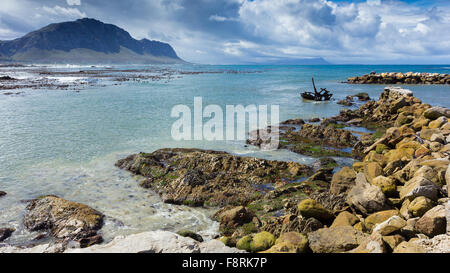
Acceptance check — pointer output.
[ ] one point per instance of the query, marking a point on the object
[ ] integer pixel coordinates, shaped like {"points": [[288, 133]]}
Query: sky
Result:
{"points": [[261, 31]]}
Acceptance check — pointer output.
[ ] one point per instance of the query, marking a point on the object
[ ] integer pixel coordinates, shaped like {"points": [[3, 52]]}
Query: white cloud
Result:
{"points": [[73, 2], [64, 12]]}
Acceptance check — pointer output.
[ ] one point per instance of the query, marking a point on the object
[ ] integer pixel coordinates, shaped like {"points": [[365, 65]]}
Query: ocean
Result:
{"points": [[65, 142]]}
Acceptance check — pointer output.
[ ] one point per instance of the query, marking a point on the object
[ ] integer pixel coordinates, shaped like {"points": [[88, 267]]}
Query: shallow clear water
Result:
{"points": [[66, 143]]}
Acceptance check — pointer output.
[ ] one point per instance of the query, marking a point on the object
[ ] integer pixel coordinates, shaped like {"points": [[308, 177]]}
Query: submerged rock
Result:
{"points": [[64, 219], [196, 177]]}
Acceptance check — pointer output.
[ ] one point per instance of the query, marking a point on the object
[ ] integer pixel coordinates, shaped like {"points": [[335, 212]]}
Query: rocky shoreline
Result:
{"points": [[393, 200], [401, 78]]}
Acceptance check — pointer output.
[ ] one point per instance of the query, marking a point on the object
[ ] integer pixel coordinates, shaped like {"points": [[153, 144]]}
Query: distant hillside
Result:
{"points": [[85, 41]]}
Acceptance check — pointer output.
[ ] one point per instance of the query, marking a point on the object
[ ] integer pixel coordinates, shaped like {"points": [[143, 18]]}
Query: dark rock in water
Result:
{"points": [[64, 219], [2, 193], [197, 177], [190, 234], [345, 102], [7, 78], [314, 120], [297, 121], [363, 96], [5, 233], [325, 135], [89, 241], [324, 162]]}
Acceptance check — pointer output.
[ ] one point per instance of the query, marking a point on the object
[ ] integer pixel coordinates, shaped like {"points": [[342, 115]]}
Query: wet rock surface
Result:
{"points": [[63, 219], [5, 233], [199, 177]]}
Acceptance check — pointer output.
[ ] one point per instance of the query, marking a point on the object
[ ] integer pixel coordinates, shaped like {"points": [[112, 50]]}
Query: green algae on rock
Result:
{"points": [[197, 177]]}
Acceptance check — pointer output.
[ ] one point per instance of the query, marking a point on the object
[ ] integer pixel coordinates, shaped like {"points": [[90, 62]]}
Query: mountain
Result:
{"points": [[85, 41]]}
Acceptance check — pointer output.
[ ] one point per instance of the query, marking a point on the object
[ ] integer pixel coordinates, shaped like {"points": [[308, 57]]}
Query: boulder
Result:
{"points": [[345, 218], [310, 208], [409, 247], [244, 243], [372, 170], [433, 222], [290, 242], [379, 217], [438, 122], [262, 241], [419, 186], [335, 239], [342, 181], [63, 218], [232, 218], [372, 244], [190, 234], [426, 133], [2, 193], [419, 206], [386, 184], [389, 226], [393, 240], [228, 241], [439, 138], [437, 244], [365, 197], [436, 112], [399, 154]]}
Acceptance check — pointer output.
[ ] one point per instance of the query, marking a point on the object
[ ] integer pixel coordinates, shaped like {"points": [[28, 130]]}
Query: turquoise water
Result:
{"points": [[66, 143]]}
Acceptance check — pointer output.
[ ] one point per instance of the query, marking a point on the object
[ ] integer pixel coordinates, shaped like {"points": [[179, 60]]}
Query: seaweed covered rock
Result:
{"points": [[63, 218], [232, 218], [309, 208], [190, 234], [262, 241], [290, 242], [200, 177]]}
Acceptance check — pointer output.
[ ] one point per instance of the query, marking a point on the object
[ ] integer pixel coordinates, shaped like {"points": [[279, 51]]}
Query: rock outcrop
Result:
{"points": [[401, 78], [208, 178], [62, 218]]}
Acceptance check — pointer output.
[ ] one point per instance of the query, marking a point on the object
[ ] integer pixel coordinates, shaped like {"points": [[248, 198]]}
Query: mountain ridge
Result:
{"points": [[86, 40]]}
